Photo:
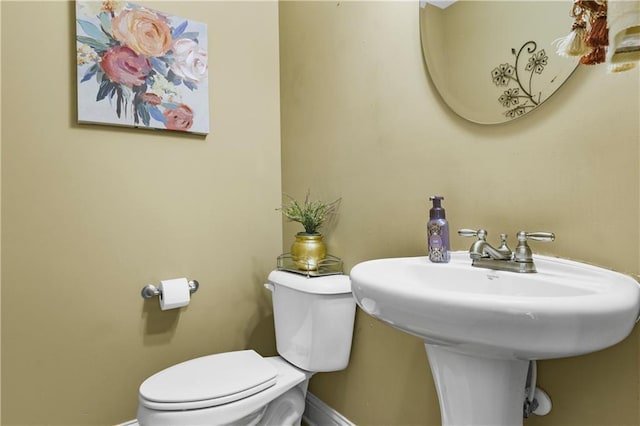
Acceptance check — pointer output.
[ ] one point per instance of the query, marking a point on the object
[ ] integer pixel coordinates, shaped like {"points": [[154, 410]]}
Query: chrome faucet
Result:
{"points": [[502, 258]]}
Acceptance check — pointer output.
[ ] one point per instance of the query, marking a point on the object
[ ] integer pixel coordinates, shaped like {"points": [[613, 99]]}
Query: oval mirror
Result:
{"points": [[493, 61]]}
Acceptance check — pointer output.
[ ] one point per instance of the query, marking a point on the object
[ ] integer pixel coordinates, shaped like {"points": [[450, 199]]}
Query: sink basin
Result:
{"points": [[482, 327], [567, 308]]}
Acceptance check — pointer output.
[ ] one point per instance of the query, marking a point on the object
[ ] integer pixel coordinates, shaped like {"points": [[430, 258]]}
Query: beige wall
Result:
{"points": [[0, 226], [90, 214], [93, 213], [361, 120]]}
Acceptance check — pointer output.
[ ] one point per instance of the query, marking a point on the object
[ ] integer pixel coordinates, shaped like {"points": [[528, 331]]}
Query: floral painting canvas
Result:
{"points": [[140, 67]]}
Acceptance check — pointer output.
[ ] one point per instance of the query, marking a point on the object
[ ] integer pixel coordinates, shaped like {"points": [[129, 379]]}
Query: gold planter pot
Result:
{"points": [[308, 250]]}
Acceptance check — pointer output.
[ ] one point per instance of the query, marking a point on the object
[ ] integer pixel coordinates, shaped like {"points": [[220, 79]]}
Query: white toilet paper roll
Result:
{"points": [[174, 293]]}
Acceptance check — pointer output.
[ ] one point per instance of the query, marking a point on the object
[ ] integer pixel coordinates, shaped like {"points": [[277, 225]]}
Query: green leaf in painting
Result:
{"points": [[105, 88], [119, 101], [90, 73], [155, 112], [97, 46], [177, 32], [105, 22], [93, 31], [159, 66], [144, 114]]}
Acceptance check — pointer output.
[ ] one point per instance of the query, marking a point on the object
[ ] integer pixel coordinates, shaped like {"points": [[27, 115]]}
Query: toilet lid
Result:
{"points": [[208, 381]]}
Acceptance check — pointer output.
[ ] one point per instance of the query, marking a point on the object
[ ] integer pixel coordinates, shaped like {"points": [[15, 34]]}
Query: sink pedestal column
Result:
{"points": [[477, 391]]}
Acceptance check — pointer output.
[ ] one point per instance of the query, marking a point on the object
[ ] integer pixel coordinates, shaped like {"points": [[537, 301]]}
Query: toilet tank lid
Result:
{"points": [[329, 284]]}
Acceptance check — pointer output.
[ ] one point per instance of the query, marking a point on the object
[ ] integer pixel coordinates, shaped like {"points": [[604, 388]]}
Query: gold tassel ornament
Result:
{"points": [[597, 36], [574, 44], [599, 33], [597, 56], [589, 36]]}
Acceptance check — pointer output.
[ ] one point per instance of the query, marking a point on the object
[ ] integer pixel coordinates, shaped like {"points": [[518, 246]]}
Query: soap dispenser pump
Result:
{"points": [[438, 232]]}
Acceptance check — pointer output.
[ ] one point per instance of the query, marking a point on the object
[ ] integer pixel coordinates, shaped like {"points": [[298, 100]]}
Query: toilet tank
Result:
{"points": [[313, 319]]}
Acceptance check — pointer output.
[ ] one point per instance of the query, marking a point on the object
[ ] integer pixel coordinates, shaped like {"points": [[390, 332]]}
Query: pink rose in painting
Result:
{"points": [[143, 31], [123, 65], [151, 98], [180, 118], [190, 60]]}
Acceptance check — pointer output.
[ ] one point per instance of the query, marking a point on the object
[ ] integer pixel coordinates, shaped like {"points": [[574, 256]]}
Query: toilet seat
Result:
{"points": [[233, 413], [208, 381]]}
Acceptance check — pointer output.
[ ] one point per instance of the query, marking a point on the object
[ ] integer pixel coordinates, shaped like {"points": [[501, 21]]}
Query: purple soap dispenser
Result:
{"points": [[438, 232]]}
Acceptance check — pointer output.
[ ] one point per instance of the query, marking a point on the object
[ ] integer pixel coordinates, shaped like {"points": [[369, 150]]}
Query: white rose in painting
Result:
{"points": [[190, 60]]}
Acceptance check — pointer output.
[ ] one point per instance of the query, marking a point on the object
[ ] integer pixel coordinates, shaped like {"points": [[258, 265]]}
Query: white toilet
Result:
{"points": [[313, 325]]}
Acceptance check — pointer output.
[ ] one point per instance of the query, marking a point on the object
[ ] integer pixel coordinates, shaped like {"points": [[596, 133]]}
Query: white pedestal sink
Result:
{"points": [[482, 327]]}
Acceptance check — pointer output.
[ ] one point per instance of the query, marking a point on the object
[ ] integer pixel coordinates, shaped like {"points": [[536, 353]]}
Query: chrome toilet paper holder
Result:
{"points": [[151, 290]]}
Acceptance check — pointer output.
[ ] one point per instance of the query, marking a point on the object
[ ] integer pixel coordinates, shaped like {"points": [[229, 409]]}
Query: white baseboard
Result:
{"points": [[317, 413]]}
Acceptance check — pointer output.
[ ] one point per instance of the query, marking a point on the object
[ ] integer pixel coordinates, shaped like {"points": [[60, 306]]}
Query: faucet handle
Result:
{"points": [[504, 248], [536, 236], [523, 251], [467, 232], [480, 233]]}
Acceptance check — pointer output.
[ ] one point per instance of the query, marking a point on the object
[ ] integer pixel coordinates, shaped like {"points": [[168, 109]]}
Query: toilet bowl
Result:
{"points": [[314, 327]]}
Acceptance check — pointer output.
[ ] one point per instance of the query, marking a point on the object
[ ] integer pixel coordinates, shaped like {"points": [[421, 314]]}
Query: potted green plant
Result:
{"points": [[309, 248]]}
